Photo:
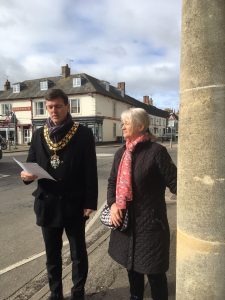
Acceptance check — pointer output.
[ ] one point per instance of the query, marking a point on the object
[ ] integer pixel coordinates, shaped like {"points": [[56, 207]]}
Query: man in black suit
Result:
{"points": [[66, 150]]}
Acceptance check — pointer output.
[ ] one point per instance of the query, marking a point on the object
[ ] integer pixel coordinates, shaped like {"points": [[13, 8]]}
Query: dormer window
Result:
{"points": [[106, 84], [16, 88], [44, 85], [76, 81]]}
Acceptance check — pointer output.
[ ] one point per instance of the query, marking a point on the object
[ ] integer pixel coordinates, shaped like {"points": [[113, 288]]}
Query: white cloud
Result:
{"points": [[132, 41]]}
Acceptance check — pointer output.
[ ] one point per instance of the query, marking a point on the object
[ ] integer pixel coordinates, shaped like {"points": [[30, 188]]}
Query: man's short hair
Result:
{"points": [[56, 93]]}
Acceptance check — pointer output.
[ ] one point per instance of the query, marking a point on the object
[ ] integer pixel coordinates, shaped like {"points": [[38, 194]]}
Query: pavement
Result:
{"points": [[108, 280], [22, 148], [17, 148]]}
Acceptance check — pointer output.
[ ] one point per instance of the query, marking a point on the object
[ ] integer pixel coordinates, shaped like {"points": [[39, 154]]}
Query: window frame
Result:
{"points": [[76, 81], [5, 112], [77, 107], [16, 88], [37, 109], [44, 85], [114, 109], [114, 130]]}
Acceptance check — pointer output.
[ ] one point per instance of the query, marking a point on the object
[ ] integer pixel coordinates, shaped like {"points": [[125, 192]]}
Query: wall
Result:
{"points": [[105, 108], [22, 109], [87, 105]]}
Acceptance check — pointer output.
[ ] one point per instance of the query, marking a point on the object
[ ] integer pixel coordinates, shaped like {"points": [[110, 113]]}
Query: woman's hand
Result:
{"points": [[87, 212], [25, 176], [116, 215]]}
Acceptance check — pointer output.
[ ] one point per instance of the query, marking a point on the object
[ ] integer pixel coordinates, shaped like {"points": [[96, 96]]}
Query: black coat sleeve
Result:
{"points": [[32, 152], [111, 190], [167, 169], [91, 177]]}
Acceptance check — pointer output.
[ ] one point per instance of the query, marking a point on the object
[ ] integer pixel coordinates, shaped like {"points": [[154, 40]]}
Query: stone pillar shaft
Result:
{"points": [[201, 154]]}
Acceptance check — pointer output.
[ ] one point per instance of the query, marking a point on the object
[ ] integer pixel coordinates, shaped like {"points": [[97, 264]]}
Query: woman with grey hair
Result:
{"points": [[140, 173]]}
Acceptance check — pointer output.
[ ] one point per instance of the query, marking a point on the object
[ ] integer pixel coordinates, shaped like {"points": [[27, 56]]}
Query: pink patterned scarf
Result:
{"points": [[124, 176]]}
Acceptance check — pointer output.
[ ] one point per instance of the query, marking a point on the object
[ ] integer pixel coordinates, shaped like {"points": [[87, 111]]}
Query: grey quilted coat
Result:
{"points": [[144, 247]]}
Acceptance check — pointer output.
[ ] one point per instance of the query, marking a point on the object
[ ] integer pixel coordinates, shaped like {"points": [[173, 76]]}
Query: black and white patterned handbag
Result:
{"points": [[105, 219]]}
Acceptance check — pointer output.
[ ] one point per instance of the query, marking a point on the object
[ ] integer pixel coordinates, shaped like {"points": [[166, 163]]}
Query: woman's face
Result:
{"points": [[129, 132]]}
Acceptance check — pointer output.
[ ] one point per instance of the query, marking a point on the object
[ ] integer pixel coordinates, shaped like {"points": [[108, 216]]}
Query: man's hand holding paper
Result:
{"points": [[25, 176], [32, 171]]}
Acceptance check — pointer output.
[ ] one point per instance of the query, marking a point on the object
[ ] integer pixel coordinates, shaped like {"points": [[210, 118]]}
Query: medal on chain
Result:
{"points": [[55, 159]]}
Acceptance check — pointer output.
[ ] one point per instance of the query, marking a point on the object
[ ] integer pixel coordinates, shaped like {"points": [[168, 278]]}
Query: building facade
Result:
{"points": [[93, 102]]}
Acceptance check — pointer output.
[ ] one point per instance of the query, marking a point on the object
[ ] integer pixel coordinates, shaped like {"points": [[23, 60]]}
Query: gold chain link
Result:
{"points": [[61, 144]]}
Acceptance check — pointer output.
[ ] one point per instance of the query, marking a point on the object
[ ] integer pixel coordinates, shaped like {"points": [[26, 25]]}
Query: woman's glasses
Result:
{"points": [[126, 124]]}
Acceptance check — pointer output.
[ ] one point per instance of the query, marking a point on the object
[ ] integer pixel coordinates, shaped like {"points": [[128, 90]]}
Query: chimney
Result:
{"points": [[150, 101], [65, 71], [146, 100], [7, 85], [121, 87]]}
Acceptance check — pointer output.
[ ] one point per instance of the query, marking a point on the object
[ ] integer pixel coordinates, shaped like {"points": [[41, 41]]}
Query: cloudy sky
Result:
{"points": [[114, 40]]}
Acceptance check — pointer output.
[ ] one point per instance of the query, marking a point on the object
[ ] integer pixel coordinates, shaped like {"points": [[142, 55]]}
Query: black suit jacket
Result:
{"points": [[60, 202]]}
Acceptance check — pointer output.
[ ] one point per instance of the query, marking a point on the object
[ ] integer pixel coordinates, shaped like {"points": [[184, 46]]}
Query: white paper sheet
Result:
{"points": [[34, 169]]}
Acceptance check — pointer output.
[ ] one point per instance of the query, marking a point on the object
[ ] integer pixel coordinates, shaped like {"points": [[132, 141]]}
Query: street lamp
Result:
{"points": [[171, 125], [171, 137]]}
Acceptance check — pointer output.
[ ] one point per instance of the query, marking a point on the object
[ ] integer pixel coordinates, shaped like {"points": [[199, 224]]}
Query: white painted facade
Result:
{"points": [[111, 110], [89, 105]]}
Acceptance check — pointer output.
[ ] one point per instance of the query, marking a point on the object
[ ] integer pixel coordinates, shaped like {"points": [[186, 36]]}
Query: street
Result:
{"points": [[22, 249]]}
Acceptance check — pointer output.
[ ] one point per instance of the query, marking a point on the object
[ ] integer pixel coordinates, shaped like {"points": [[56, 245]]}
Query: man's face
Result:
{"points": [[57, 110]]}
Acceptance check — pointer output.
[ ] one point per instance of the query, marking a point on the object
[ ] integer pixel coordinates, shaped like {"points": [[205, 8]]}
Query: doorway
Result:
{"points": [[26, 135]]}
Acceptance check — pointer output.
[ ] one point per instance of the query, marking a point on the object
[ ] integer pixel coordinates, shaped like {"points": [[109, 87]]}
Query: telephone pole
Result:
{"points": [[201, 155]]}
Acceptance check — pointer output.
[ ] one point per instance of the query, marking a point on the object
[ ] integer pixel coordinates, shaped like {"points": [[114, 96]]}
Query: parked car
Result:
{"points": [[167, 137], [0, 152]]}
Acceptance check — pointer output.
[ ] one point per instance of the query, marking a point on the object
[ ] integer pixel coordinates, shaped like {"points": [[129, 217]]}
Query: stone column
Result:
{"points": [[201, 154]]}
